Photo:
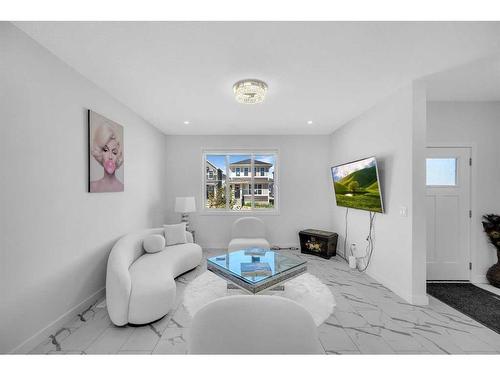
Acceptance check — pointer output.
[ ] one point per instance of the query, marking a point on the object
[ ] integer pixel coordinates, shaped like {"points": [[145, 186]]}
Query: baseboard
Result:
{"points": [[395, 289], [31, 343], [224, 247], [421, 300], [213, 247], [287, 245], [408, 297], [479, 279]]}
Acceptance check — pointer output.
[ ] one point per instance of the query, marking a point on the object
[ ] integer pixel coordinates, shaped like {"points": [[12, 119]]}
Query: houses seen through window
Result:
{"points": [[226, 188]]}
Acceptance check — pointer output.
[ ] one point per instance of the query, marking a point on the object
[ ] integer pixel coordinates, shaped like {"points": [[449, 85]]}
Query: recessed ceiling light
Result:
{"points": [[250, 91], [186, 122], [309, 122]]}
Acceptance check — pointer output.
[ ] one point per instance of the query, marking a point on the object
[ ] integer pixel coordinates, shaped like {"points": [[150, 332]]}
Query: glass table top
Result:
{"points": [[255, 265]]}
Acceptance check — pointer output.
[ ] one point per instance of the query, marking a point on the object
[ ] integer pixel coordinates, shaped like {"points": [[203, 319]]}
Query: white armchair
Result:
{"points": [[248, 232], [253, 325]]}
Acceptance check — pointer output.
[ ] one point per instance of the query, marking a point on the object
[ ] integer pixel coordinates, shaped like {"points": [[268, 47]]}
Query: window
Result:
{"points": [[234, 174], [441, 172], [215, 186]]}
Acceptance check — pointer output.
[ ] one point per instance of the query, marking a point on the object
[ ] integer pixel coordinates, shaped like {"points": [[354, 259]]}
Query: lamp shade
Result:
{"points": [[185, 204]]}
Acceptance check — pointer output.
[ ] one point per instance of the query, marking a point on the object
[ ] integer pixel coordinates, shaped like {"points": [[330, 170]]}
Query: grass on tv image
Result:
{"points": [[356, 185]]}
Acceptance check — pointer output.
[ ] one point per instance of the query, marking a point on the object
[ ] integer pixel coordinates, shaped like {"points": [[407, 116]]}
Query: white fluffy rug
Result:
{"points": [[306, 289]]}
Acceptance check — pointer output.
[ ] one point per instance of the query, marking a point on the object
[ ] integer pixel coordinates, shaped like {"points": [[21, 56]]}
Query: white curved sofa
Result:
{"points": [[140, 287]]}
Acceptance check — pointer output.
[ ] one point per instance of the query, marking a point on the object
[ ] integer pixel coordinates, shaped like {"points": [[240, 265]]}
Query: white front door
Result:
{"points": [[448, 181]]}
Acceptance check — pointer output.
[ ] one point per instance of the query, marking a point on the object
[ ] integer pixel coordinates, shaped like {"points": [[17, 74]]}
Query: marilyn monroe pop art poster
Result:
{"points": [[105, 154]]}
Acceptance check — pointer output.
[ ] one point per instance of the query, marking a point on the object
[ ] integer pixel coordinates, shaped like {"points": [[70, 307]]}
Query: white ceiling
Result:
{"points": [[328, 72], [476, 81]]}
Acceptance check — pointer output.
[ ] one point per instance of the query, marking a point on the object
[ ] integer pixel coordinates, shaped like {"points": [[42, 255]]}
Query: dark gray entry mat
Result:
{"points": [[479, 304]]}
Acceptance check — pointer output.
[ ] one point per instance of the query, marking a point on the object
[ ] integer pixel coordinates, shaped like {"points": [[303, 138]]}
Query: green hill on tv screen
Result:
{"points": [[359, 189]]}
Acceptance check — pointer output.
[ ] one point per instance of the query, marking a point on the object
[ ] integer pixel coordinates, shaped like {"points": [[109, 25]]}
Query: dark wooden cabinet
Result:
{"points": [[318, 242]]}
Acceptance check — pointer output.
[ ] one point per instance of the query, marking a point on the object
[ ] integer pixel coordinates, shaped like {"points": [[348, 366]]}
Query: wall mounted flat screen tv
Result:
{"points": [[357, 185]]}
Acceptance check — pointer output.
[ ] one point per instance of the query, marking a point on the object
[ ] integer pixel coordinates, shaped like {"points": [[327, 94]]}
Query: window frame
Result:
{"points": [[252, 152]]}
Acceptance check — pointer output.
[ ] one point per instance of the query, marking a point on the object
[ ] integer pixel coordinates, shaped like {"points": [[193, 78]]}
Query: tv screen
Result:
{"points": [[357, 185]]}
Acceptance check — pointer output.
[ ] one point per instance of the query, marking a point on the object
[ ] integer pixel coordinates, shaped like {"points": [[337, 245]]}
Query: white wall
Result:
{"points": [[305, 192], [475, 124], [394, 132], [55, 237]]}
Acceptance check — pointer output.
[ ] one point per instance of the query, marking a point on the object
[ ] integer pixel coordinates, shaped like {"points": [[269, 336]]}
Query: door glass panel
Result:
{"points": [[441, 172]]}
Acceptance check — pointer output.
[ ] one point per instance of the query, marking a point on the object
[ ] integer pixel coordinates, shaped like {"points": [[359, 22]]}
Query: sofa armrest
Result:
{"points": [[118, 281], [118, 287]]}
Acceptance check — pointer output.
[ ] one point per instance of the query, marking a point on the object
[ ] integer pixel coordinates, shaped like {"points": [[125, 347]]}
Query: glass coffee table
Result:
{"points": [[256, 270]]}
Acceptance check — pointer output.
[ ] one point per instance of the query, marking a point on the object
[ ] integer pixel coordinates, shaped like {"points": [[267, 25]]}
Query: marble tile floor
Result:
{"points": [[368, 319]]}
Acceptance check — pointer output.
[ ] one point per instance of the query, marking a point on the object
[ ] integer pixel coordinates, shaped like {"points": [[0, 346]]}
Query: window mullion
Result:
{"points": [[204, 187], [228, 192], [252, 176]]}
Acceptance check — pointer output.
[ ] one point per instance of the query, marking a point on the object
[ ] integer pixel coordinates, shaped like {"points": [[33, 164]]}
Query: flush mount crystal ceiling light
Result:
{"points": [[250, 91]]}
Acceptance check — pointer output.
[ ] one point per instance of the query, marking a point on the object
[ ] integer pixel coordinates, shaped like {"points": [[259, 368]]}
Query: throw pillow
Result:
{"points": [[153, 243], [175, 234]]}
